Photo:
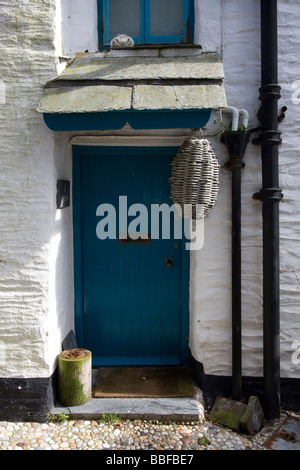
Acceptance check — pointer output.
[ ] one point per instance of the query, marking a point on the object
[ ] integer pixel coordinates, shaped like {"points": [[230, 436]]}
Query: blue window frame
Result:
{"points": [[146, 21]]}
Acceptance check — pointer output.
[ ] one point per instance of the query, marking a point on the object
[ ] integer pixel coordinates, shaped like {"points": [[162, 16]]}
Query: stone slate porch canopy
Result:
{"points": [[106, 92]]}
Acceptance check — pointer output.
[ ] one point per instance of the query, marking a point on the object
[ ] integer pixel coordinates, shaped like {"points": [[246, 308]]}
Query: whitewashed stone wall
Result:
{"points": [[30, 237], [289, 72], [233, 28], [36, 277]]}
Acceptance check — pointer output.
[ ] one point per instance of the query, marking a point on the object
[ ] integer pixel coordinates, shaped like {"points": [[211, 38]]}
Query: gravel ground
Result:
{"points": [[62, 432], [128, 435]]}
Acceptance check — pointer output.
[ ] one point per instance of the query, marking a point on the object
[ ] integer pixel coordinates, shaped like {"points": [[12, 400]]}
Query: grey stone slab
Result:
{"points": [[227, 412], [206, 66], [163, 409], [85, 99], [201, 96], [253, 417], [91, 84], [92, 99], [60, 409], [153, 97]]}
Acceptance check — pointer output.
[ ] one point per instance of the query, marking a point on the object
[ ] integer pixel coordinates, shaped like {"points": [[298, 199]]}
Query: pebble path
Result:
{"points": [[126, 435]]}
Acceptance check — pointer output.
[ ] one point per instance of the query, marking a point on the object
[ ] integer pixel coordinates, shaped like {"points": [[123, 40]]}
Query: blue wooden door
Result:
{"points": [[131, 298]]}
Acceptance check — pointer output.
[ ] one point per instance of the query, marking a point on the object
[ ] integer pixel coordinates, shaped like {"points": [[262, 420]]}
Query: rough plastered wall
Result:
{"points": [[289, 76], [30, 249], [233, 28]]}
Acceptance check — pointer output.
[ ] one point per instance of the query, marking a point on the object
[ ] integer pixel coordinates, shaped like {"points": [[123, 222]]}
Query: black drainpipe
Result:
{"points": [[236, 143], [270, 195]]}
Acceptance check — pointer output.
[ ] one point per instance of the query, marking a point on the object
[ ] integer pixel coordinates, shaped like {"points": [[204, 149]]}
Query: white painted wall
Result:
{"points": [[36, 274], [33, 302], [233, 30], [289, 72], [237, 37], [79, 26]]}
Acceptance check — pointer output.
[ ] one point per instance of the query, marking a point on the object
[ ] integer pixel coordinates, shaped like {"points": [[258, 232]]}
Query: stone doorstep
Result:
{"points": [[160, 409], [151, 409]]}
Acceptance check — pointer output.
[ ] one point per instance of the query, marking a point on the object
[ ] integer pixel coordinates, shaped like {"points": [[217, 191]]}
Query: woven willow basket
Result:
{"points": [[195, 177]]}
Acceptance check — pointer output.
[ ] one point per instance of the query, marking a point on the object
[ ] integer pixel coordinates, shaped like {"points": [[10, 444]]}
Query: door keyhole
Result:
{"points": [[169, 262]]}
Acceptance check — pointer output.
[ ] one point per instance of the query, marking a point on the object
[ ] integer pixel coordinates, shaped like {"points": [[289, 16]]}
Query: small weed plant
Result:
{"points": [[109, 418], [61, 418]]}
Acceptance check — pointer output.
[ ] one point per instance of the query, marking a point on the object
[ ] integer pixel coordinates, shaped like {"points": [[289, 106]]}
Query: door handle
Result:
{"points": [[169, 262]]}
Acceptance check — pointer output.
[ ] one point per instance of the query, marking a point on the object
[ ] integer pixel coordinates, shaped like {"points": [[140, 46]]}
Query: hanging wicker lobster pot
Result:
{"points": [[195, 177]]}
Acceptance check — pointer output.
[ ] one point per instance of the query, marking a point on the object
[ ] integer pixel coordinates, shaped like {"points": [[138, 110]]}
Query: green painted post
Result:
{"points": [[74, 377]]}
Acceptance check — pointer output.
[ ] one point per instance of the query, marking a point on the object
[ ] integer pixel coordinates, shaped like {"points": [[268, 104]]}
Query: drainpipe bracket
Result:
{"points": [[270, 91], [269, 195], [268, 138], [282, 113]]}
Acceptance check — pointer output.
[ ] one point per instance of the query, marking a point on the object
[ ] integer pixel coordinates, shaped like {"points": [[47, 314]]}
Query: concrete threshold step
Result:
{"points": [[160, 409]]}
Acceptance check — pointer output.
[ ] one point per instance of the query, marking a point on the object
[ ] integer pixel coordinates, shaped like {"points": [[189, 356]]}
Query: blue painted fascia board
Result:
{"points": [[116, 120]]}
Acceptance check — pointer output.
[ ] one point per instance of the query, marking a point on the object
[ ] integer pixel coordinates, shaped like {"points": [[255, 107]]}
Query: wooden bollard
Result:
{"points": [[74, 377]]}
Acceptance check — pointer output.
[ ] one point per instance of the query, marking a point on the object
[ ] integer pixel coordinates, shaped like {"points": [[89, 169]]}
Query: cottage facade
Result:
{"points": [[50, 50]]}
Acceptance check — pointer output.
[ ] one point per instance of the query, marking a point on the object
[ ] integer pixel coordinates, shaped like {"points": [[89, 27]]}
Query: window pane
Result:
{"points": [[124, 20], [166, 17]]}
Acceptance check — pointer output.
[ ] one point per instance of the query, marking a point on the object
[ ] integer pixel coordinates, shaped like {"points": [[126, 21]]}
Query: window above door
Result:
{"points": [[146, 21]]}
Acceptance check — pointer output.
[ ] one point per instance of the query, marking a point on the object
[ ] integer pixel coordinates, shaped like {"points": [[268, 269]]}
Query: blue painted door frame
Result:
{"points": [[130, 308]]}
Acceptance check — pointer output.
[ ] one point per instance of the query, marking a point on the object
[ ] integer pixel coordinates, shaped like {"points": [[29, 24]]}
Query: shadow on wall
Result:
{"points": [[61, 284]]}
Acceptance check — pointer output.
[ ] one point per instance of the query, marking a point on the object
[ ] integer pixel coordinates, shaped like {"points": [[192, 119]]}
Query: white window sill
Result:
{"points": [[182, 50]]}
